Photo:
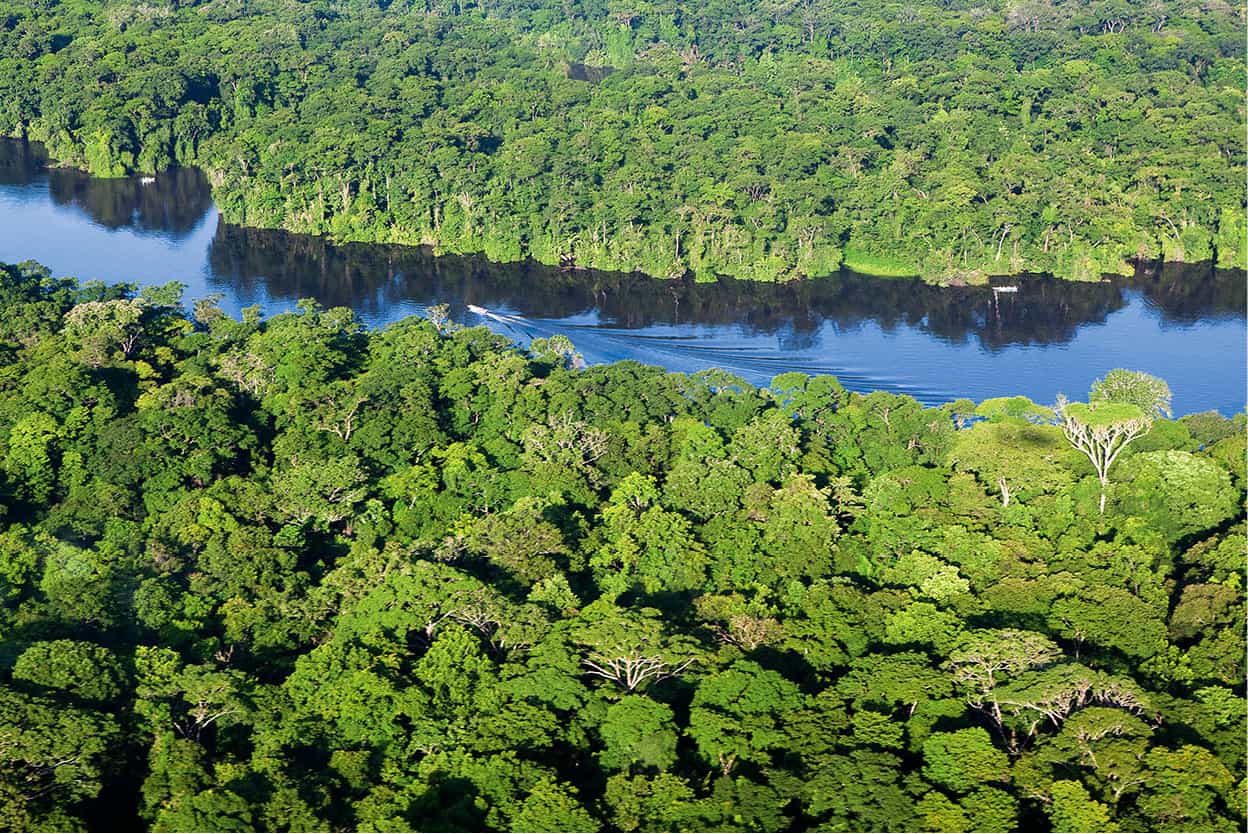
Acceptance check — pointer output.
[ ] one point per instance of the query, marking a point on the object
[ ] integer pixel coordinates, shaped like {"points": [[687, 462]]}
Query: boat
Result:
{"points": [[480, 311], [146, 180]]}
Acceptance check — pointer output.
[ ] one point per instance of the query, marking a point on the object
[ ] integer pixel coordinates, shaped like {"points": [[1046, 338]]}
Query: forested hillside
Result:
{"points": [[764, 139], [292, 574]]}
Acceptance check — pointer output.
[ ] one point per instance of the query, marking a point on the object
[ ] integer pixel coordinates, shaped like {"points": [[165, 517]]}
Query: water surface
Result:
{"points": [[1183, 323]]}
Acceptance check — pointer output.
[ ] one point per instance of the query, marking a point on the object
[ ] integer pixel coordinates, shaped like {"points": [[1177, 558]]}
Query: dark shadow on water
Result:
{"points": [[21, 163], [1180, 321], [373, 278], [170, 204]]}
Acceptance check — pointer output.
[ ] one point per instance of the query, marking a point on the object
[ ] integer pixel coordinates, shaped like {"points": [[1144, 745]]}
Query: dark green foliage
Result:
{"points": [[951, 140], [289, 574]]}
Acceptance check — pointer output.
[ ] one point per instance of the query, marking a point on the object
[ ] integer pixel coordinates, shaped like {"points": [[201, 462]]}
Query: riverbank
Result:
{"points": [[939, 269], [934, 343], [749, 156]]}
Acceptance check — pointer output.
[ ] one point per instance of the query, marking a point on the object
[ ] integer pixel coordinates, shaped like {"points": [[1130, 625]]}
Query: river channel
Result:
{"points": [[1036, 336]]}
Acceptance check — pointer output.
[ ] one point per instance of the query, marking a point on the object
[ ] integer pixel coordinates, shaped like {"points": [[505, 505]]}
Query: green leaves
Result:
{"points": [[1013, 410], [984, 655], [52, 757], [32, 457], [737, 715], [1147, 393], [77, 669], [638, 733], [551, 806], [1073, 810], [100, 330], [1101, 430], [300, 576], [1178, 492], [520, 541], [647, 545], [1111, 617], [720, 146], [321, 491], [964, 760], [630, 648]]}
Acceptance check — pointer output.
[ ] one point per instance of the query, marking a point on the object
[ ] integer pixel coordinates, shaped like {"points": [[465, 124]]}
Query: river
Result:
{"points": [[1185, 323]]}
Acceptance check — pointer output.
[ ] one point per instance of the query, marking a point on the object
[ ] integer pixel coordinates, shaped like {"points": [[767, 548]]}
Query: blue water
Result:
{"points": [[1183, 323]]}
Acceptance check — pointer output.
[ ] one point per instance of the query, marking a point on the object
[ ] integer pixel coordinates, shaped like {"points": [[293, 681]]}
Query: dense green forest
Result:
{"points": [[763, 139], [293, 574]]}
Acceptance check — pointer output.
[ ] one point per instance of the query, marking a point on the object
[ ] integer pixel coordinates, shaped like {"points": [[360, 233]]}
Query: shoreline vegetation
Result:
{"points": [[1062, 138], [289, 573], [854, 263]]}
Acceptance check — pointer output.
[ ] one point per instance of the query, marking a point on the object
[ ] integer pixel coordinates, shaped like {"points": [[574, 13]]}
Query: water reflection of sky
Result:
{"points": [[1202, 362], [1047, 339], [66, 239]]}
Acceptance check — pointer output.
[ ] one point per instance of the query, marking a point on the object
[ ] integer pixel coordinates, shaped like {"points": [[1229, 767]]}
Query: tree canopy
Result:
{"points": [[760, 140], [294, 574]]}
